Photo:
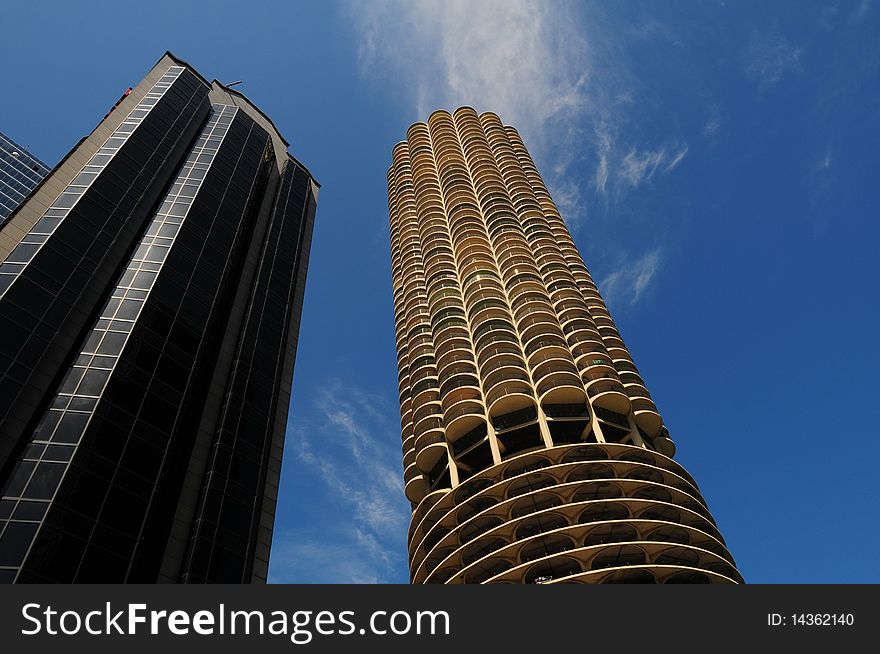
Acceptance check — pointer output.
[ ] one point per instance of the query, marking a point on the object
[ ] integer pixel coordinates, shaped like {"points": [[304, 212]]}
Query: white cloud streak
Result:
{"points": [[524, 60], [629, 282], [546, 68], [557, 71], [712, 126], [770, 58], [638, 167], [351, 443], [322, 560]]}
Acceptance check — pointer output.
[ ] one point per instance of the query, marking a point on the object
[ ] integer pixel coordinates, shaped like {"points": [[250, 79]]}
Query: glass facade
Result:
{"points": [[225, 530], [29, 246], [59, 270], [20, 173], [91, 488]]}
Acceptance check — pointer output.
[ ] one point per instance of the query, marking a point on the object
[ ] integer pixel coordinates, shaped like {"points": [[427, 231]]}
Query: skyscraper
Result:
{"points": [[532, 449], [150, 296], [20, 173]]}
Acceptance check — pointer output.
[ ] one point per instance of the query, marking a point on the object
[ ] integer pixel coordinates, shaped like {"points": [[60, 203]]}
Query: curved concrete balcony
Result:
{"points": [[406, 421], [664, 445], [461, 388], [409, 458], [474, 257], [569, 314], [503, 378], [422, 389], [507, 348], [451, 358], [550, 363], [625, 458], [634, 384], [431, 421], [646, 416], [593, 361], [484, 287], [508, 396], [428, 456], [418, 404], [415, 489], [449, 380], [509, 252], [587, 349], [463, 416], [493, 291], [537, 325], [625, 365], [546, 345], [615, 350], [583, 335], [521, 284], [410, 471], [489, 332], [475, 309], [434, 435], [608, 394], [568, 568], [408, 445], [500, 368], [650, 574], [441, 286], [450, 299], [422, 366], [439, 265], [449, 329], [521, 278], [513, 521], [524, 305], [497, 343], [562, 290], [561, 389], [560, 275], [602, 546], [491, 313], [512, 251]]}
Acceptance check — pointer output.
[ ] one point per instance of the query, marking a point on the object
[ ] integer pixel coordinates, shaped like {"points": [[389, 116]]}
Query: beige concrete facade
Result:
{"points": [[532, 449]]}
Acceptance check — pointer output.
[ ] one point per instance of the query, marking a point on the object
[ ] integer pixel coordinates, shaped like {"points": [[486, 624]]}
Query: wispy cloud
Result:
{"points": [[553, 70], [349, 440], [712, 126], [629, 282], [569, 198], [336, 559], [604, 151], [861, 11], [638, 167], [676, 158], [769, 58], [526, 61]]}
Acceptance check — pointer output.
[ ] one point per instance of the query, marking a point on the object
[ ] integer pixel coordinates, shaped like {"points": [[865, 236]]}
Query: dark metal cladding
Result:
{"points": [[150, 300], [226, 531]]}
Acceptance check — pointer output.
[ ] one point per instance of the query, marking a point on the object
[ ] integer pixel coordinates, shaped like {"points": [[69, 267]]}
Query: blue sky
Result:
{"points": [[717, 163]]}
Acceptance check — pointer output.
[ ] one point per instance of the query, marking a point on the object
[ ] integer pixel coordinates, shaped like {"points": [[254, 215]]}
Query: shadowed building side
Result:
{"points": [[152, 287]]}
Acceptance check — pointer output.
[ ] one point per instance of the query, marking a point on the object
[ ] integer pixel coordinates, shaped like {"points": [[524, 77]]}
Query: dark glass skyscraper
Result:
{"points": [[20, 172], [150, 296]]}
